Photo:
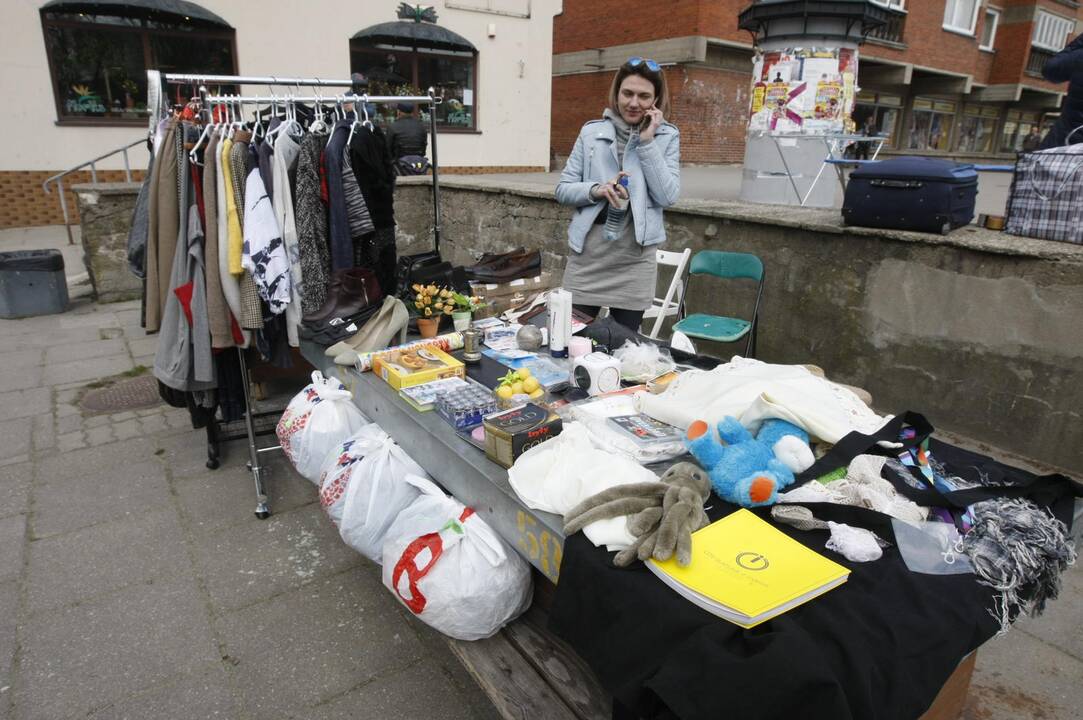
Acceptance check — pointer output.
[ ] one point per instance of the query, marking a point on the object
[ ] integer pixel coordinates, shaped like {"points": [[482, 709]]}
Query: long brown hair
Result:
{"points": [[657, 79]]}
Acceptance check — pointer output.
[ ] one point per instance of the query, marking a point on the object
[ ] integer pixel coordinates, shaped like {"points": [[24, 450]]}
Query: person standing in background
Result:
{"points": [[868, 129], [1067, 66], [1033, 140], [408, 140]]}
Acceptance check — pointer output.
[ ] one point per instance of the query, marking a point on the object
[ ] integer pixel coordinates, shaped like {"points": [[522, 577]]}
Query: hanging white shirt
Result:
{"points": [[263, 253]]}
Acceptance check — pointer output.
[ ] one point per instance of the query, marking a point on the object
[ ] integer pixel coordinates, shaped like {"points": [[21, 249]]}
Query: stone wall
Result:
{"points": [[105, 212], [979, 331]]}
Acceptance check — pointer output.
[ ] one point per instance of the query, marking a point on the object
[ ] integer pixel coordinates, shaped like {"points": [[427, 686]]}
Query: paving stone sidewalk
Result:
{"points": [[136, 583]]}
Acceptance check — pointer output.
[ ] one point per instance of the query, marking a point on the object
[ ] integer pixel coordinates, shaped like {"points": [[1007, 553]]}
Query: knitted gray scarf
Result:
{"points": [[624, 131]]}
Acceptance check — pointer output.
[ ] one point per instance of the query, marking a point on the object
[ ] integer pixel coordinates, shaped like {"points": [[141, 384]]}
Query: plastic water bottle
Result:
{"points": [[614, 220]]}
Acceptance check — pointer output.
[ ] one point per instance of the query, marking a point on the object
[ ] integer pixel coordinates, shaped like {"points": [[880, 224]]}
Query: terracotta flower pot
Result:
{"points": [[428, 327]]}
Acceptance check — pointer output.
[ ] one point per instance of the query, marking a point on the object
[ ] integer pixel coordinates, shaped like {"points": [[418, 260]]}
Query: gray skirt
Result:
{"points": [[617, 273]]}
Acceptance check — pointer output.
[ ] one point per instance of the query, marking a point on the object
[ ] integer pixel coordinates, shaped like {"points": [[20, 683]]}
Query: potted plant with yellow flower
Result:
{"points": [[432, 303], [464, 307]]}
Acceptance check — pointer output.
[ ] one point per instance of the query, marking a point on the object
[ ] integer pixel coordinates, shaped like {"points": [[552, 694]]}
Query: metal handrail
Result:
{"points": [[93, 178]]}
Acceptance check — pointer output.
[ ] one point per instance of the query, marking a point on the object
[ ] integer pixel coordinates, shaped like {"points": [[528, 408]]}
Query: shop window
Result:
{"points": [[397, 64], [99, 62], [977, 129], [883, 111], [931, 123], [961, 15], [989, 29], [1051, 31], [1017, 126]]}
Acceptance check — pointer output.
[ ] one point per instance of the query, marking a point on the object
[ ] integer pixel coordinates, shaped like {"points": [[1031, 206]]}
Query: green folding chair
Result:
{"points": [[726, 266]]}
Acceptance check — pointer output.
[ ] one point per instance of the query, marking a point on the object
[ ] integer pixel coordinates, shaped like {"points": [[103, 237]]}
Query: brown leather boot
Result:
{"points": [[348, 292]]}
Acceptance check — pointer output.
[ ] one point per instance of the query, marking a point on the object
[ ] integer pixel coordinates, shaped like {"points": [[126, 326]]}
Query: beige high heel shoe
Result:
{"points": [[392, 318]]}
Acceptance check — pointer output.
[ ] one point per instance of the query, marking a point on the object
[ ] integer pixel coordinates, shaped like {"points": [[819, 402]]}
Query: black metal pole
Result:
{"points": [[435, 173]]}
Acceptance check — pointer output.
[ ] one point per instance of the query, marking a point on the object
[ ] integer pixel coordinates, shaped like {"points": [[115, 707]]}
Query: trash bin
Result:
{"points": [[32, 283]]}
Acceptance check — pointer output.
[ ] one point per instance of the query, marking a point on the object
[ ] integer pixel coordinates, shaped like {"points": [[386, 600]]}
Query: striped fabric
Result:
{"points": [[1046, 199], [357, 211]]}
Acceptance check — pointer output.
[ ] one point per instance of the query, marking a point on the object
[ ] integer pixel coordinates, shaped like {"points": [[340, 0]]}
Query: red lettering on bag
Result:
{"points": [[407, 565]]}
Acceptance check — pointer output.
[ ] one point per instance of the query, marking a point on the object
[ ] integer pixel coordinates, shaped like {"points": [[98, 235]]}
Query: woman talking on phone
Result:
{"points": [[624, 169]]}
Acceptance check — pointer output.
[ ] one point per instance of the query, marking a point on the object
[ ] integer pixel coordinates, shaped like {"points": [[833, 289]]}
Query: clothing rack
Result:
{"points": [[155, 80]]}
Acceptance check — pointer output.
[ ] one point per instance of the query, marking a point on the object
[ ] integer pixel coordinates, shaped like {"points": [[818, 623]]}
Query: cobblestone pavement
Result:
{"points": [[136, 583]]}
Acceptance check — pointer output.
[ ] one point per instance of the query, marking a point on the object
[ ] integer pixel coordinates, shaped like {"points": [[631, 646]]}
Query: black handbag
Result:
{"points": [[443, 274], [408, 265]]}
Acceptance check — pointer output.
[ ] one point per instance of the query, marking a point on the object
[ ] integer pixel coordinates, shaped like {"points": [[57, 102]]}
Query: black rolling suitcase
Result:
{"points": [[911, 193]]}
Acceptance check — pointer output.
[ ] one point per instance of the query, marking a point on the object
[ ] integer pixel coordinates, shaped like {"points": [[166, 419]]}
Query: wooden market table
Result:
{"points": [[503, 664]]}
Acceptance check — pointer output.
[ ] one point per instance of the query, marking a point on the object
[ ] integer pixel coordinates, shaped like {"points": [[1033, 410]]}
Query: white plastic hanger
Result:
{"points": [[318, 126], [363, 102]]}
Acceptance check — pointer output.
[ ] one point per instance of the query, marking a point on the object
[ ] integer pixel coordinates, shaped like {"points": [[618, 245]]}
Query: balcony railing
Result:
{"points": [[892, 30], [1036, 61]]}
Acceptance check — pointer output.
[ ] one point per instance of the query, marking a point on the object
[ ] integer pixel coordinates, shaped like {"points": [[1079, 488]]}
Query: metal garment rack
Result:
{"points": [[156, 79]]}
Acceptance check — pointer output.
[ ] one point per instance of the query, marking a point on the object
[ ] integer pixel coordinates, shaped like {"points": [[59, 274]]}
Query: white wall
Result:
{"points": [[312, 40]]}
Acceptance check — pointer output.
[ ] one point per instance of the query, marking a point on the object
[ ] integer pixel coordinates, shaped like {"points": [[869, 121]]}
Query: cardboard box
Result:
{"points": [[527, 286], [505, 296], [416, 365], [511, 433]]}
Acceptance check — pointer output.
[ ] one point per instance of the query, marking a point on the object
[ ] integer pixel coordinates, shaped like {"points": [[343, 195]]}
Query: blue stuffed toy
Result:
{"points": [[746, 470]]}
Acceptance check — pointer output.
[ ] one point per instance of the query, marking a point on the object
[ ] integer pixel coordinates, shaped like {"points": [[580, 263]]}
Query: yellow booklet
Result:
{"points": [[747, 571]]}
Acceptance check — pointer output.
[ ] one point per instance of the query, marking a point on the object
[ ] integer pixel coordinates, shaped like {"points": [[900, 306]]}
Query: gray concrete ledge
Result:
{"points": [[812, 219], [108, 188]]}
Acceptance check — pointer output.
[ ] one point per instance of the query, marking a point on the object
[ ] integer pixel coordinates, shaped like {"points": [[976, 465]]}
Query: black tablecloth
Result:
{"points": [[879, 647]]}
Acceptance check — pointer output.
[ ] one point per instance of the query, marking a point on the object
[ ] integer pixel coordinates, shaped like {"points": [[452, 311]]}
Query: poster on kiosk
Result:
{"points": [[807, 91]]}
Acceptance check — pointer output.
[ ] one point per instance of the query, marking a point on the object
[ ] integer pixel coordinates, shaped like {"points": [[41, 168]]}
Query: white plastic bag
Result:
{"points": [[451, 570], [340, 466], [376, 493], [316, 422]]}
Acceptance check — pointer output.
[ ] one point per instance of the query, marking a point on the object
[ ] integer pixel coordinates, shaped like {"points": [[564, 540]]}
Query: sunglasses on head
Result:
{"points": [[634, 62]]}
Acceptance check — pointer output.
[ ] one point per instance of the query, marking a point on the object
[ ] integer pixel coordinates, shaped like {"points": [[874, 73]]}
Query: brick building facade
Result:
{"points": [[954, 78]]}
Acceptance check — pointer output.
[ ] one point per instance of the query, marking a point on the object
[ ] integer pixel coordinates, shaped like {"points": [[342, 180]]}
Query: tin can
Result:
{"points": [[471, 345]]}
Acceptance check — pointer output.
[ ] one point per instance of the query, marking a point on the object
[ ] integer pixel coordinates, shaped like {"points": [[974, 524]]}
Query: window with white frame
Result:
{"points": [[1051, 31], [961, 15], [989, 29], [899, 4]]}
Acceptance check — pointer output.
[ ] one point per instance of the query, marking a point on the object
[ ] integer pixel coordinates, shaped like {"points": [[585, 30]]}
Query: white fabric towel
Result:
{"points": [[563, 472], [753, 391]]}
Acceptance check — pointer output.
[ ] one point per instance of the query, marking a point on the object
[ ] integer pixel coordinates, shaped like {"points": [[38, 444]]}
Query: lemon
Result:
{"points": [[523, 373], [504, 392], [530, 385], [517, 388]]}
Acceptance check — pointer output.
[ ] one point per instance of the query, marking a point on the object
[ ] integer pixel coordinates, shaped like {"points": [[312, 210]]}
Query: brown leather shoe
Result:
{"points": [[510, 268], [493, 258], [348, 292]]}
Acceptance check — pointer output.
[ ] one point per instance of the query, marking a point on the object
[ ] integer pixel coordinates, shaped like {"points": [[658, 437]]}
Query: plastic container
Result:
{"points": [[32, 283], [614, 220]]}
